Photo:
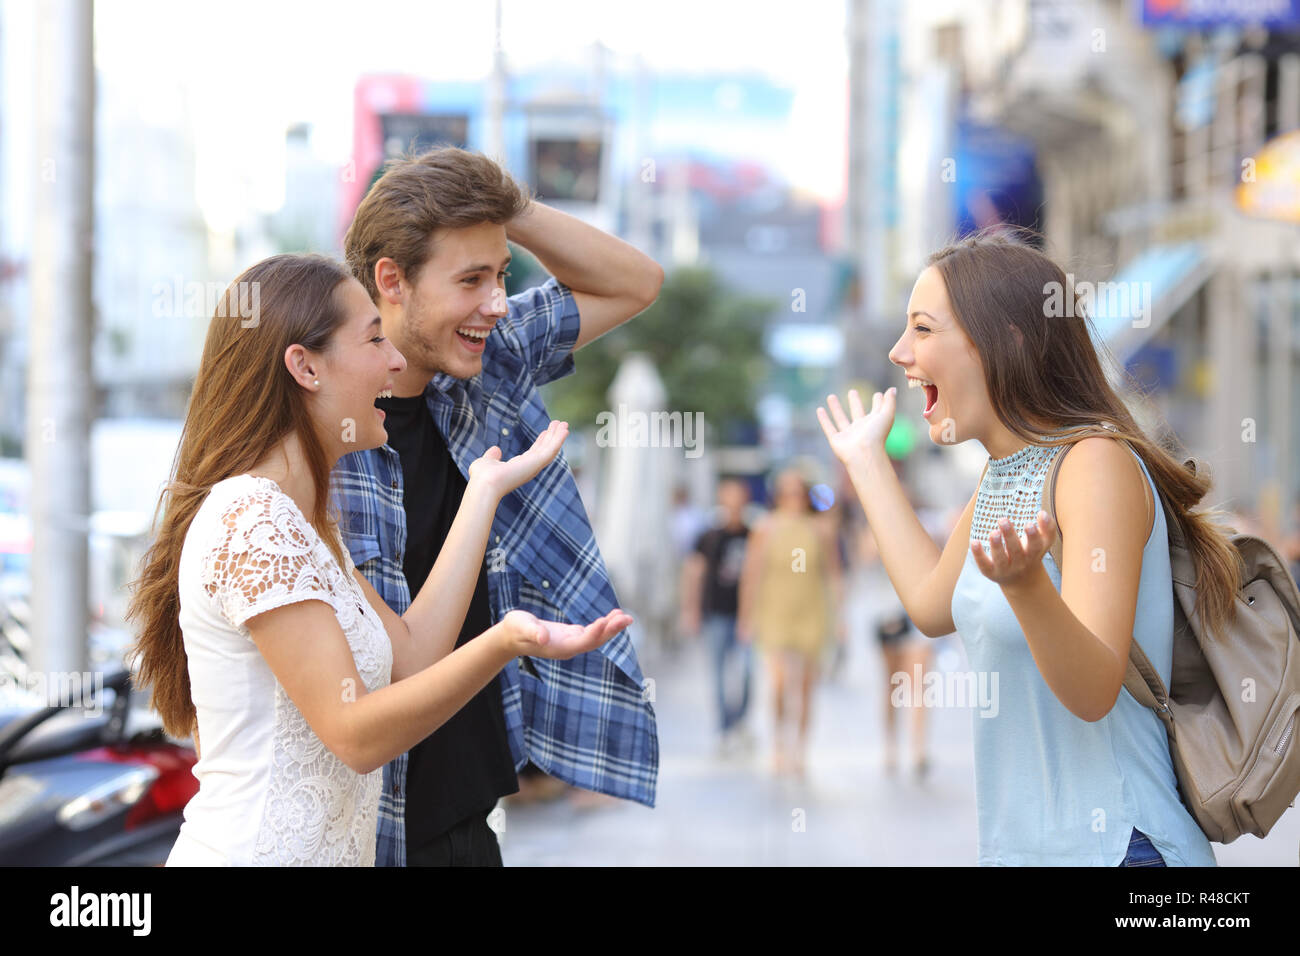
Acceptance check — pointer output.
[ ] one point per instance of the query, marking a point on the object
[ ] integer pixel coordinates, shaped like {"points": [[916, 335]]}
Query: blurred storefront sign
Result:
{"points": [[416, 132], [997, 179], [566, 151], [1216, 13], [393, 113], [1274, 192], [1154, 367], [799, 343], [423, 131], [567, 168], [1195, 106]]}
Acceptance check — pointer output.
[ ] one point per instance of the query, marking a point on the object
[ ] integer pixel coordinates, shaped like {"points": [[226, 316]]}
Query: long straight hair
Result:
{"points": [[1048, 387], [244, 403]]}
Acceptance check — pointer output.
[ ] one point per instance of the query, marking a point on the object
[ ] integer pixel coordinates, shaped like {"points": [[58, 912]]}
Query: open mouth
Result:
{"points": [[473, 338], [931, 393]]}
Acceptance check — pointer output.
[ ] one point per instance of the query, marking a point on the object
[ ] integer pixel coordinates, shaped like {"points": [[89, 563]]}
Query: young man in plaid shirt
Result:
{"points": [[429, 244]]}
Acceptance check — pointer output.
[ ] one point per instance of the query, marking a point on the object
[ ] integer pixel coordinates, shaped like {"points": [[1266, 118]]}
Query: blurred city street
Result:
{"points": [[679, 231], [731, 811]]}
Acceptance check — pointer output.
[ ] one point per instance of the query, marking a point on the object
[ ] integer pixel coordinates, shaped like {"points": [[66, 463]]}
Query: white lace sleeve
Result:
{"points": [[263, 557]]}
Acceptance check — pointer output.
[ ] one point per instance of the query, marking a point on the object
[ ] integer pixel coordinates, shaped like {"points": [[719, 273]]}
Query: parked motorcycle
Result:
{"points": [[90, 782]]}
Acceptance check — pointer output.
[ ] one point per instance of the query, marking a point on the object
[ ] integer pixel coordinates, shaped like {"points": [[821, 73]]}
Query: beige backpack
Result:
{"points": [[1231, 706]]}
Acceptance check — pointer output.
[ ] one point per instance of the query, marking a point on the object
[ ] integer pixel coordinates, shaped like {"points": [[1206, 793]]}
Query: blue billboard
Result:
{"points": [[1221, 13], [997, 179]]}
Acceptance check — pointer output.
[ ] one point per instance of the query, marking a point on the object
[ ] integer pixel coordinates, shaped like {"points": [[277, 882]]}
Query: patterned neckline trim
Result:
{"points": [[1014, 462], [1017, 457]]}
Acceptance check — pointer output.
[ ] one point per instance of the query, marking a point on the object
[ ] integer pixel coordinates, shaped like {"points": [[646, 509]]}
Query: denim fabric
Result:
{"points": [[724, 649], [1141, 852]]}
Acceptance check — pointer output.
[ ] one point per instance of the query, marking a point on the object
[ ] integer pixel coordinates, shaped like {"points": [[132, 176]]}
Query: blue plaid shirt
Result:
{"points": [[586, 721]]}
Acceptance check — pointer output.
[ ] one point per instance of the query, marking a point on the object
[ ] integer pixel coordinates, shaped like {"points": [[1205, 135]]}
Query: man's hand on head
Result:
{"points": [[611, 280]]}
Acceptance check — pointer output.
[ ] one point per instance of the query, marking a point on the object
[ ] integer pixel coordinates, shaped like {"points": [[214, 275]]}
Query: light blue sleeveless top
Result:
{"points": [[1051, 788]]}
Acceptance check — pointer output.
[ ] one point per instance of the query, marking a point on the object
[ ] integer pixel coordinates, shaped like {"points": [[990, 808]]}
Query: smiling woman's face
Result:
{"points": [[359, 365], [935, 350]]}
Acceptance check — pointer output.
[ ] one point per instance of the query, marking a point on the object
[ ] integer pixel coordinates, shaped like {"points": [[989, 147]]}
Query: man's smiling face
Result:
{"points": [[457, 298]]}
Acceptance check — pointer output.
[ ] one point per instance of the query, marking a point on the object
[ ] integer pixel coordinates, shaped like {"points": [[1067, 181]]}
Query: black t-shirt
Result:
{"points": [[724, 556], [463, 767]]}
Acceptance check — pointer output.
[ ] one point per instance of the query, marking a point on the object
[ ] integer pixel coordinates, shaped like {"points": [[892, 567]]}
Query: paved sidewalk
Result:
{"points": [[731, 811]]}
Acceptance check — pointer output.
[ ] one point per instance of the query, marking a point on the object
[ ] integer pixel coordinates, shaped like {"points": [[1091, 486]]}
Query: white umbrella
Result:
{"points": [[639, 461]]}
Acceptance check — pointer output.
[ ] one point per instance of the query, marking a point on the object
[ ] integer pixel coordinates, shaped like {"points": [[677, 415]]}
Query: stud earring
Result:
{"points": [[316, 383]]}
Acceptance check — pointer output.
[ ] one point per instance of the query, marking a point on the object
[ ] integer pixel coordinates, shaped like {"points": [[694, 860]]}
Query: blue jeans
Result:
{"points": [[720, 629], [1141, 852]]}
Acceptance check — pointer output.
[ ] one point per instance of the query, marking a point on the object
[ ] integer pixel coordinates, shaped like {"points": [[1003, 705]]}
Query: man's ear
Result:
{"points": [[303, 366], [388, 280]]}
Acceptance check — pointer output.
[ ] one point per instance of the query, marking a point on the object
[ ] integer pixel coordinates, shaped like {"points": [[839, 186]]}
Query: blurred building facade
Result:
{"points": [[1148, 138], [154, 291], [639, 154]]}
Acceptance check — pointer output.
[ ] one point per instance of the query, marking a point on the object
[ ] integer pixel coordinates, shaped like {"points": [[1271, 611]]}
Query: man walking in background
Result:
{"points": [[710, 585]]}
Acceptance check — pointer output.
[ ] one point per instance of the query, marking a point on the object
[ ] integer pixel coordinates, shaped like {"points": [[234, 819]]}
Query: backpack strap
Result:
{"points": [[1143, 681], [1141, 678]]}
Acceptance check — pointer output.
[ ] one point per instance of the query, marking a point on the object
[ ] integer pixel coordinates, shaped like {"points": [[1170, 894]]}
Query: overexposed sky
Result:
{"points": [[246, 69]]}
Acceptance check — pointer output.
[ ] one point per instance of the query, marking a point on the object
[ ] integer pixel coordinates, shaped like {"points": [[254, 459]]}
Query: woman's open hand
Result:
{"points": [[503, 477], [864, 432], [531, 637], [1014, 560]]}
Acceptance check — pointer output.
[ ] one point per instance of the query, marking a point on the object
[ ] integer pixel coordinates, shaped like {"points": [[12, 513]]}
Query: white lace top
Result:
{"points": [[270, 792]]}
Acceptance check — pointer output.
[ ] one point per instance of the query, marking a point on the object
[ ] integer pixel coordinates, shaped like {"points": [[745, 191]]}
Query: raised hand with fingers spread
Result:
{"points": [[851, 439], [503, 477]]}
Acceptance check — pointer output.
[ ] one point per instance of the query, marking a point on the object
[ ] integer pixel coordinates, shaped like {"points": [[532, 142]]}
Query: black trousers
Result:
{"points": [[469, 843]]}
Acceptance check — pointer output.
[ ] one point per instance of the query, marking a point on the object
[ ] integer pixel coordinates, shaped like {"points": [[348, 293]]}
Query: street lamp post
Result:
{"points": [[59, 386]]}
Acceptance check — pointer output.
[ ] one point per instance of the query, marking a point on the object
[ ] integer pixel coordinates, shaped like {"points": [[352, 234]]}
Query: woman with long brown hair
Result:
{"points": [[1069, 768], [257, 635]]}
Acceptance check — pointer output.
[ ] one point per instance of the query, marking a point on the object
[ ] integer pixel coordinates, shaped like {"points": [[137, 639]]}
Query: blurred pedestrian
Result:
{"points": [[710, 598], [906, 653], [789, 606], [688, 522], [1069, 768]]}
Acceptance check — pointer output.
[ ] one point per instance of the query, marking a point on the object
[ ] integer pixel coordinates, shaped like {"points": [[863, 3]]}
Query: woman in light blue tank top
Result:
{"points": [[1069, 768]]}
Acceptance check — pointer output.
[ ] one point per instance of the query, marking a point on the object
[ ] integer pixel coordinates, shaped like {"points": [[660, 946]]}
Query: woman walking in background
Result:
{"points": [[257, 635], [789, 596], [1070, 769]]}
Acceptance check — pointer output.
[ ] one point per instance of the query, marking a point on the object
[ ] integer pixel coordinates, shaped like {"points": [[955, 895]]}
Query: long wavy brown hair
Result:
{"points": [[244, 403], [1047, 385]]}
